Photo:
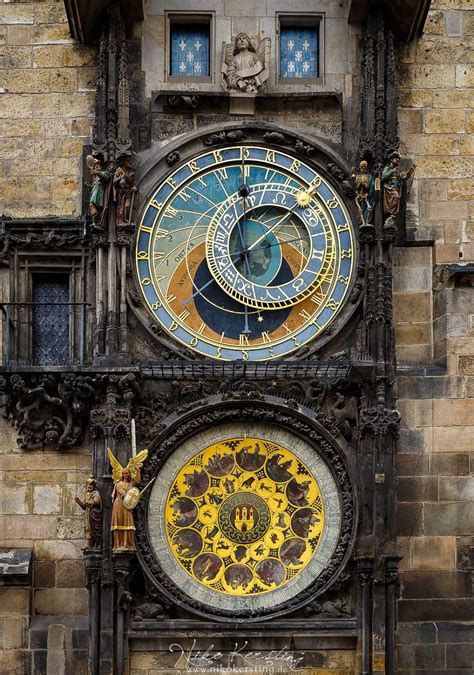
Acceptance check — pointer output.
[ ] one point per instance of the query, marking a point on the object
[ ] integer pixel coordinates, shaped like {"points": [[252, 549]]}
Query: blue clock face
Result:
{"points": [[245, 253]]}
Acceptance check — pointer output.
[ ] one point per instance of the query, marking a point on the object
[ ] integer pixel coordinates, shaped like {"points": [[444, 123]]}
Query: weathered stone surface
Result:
{"points": [[431, 584], [15, 634], [70, 574], [61, 601], [449, 464], [47, 499], [456, 488], [466, 364], [15, 600], [434, 553], [449, 518]]}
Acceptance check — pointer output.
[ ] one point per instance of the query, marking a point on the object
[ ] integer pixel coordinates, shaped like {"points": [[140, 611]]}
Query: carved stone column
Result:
{"points": [[93, 560], [122, 564]]}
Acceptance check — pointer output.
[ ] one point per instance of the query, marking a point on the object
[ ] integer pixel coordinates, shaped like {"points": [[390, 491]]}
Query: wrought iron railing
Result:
{"points": [[43, 333]]}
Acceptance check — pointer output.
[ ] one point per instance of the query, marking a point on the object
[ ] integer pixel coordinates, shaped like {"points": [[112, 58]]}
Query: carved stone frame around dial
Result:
{"points": [[325, 157], [276, 412]]}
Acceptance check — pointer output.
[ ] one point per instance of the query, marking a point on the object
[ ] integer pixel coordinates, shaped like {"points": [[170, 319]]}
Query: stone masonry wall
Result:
{"points": [[435, 337], [47, 87], [38, 512]]}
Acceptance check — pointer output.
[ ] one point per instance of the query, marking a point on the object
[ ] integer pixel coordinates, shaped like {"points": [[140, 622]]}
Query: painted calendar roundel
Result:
{"points": [[244, 252], [244, 520]]}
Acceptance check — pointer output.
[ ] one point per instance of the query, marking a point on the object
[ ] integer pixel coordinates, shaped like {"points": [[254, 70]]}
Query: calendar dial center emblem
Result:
{"points": [[245, 253]]}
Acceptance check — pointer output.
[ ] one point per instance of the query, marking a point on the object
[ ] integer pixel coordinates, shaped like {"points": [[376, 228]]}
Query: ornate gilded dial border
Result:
{"points": [[271, 411]]}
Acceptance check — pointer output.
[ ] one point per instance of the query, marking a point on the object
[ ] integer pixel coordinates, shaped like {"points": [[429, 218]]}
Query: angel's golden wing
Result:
{"points": [[135, 463], [117, 468]]}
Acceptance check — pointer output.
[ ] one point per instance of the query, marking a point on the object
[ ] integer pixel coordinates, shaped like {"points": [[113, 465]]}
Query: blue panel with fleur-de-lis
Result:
{"points": [[189, 51], [298, 52]]}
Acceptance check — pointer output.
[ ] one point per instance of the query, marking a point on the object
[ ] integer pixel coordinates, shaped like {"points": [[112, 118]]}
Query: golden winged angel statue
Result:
{"points": [[245, 64], [125, 496]]}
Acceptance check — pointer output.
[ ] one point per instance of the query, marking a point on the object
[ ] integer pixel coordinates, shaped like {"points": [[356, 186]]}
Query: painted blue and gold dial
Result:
{"points": [[245, 253]]}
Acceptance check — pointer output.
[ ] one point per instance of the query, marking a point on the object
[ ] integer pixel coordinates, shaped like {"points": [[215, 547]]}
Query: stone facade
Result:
{"points": [[435, 342], [46, 106]]}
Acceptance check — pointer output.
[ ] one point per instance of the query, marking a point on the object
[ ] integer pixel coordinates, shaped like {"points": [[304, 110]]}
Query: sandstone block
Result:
{"points": [[416, 98], [409, 519], [28, 527], [57, 127], [71, 147], [434, 210], [434, 23], [19, 35], [70, 528], [22, 81], [64, 80], [15, 661], [17, 14], [47, 499], [15, 634], [15, 107], [15, 499], [456, 489], [410, 121], [466, 145], [54, 33], [468, 23], [426, 76], [454, 23], [41, 167], [50, 56], [470, 122], [413, 333], [87, 79], [15, 57], [453, 412], [432, 584], [444, 167], [461, 189], [67, 166], [70, 574], [57, 550], [412, 307], [449, 518], [453, 98], [433, 553], [439, 144], [15, 600], [443, 50], [61, 601], [65, 188], [21, 128], [78, 56], [81, 127], [50, 12], [44, 573], [58, 106], [445, 121], [464, 75], [434, 189], [416, 488]]}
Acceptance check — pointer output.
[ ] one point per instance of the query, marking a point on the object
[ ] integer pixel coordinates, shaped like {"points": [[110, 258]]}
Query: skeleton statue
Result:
{"points": [[366, 195], [245, 64]]}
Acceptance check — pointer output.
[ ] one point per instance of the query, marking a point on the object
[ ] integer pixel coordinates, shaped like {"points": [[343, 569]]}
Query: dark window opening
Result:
{"points": [[50, 319]]}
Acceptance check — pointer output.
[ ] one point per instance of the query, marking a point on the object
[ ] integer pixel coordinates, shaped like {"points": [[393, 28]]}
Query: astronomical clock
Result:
{"points": [[244, 253]]}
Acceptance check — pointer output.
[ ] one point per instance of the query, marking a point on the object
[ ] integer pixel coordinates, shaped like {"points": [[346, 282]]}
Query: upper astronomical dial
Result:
{"points": [[244, 253], [244, 250]]}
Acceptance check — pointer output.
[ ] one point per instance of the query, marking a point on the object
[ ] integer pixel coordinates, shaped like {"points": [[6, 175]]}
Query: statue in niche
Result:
{"points": [[92, 507], [366, 193], [124, 190], [99, 187], [244, 65], [392, 180], [125, 480]]}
